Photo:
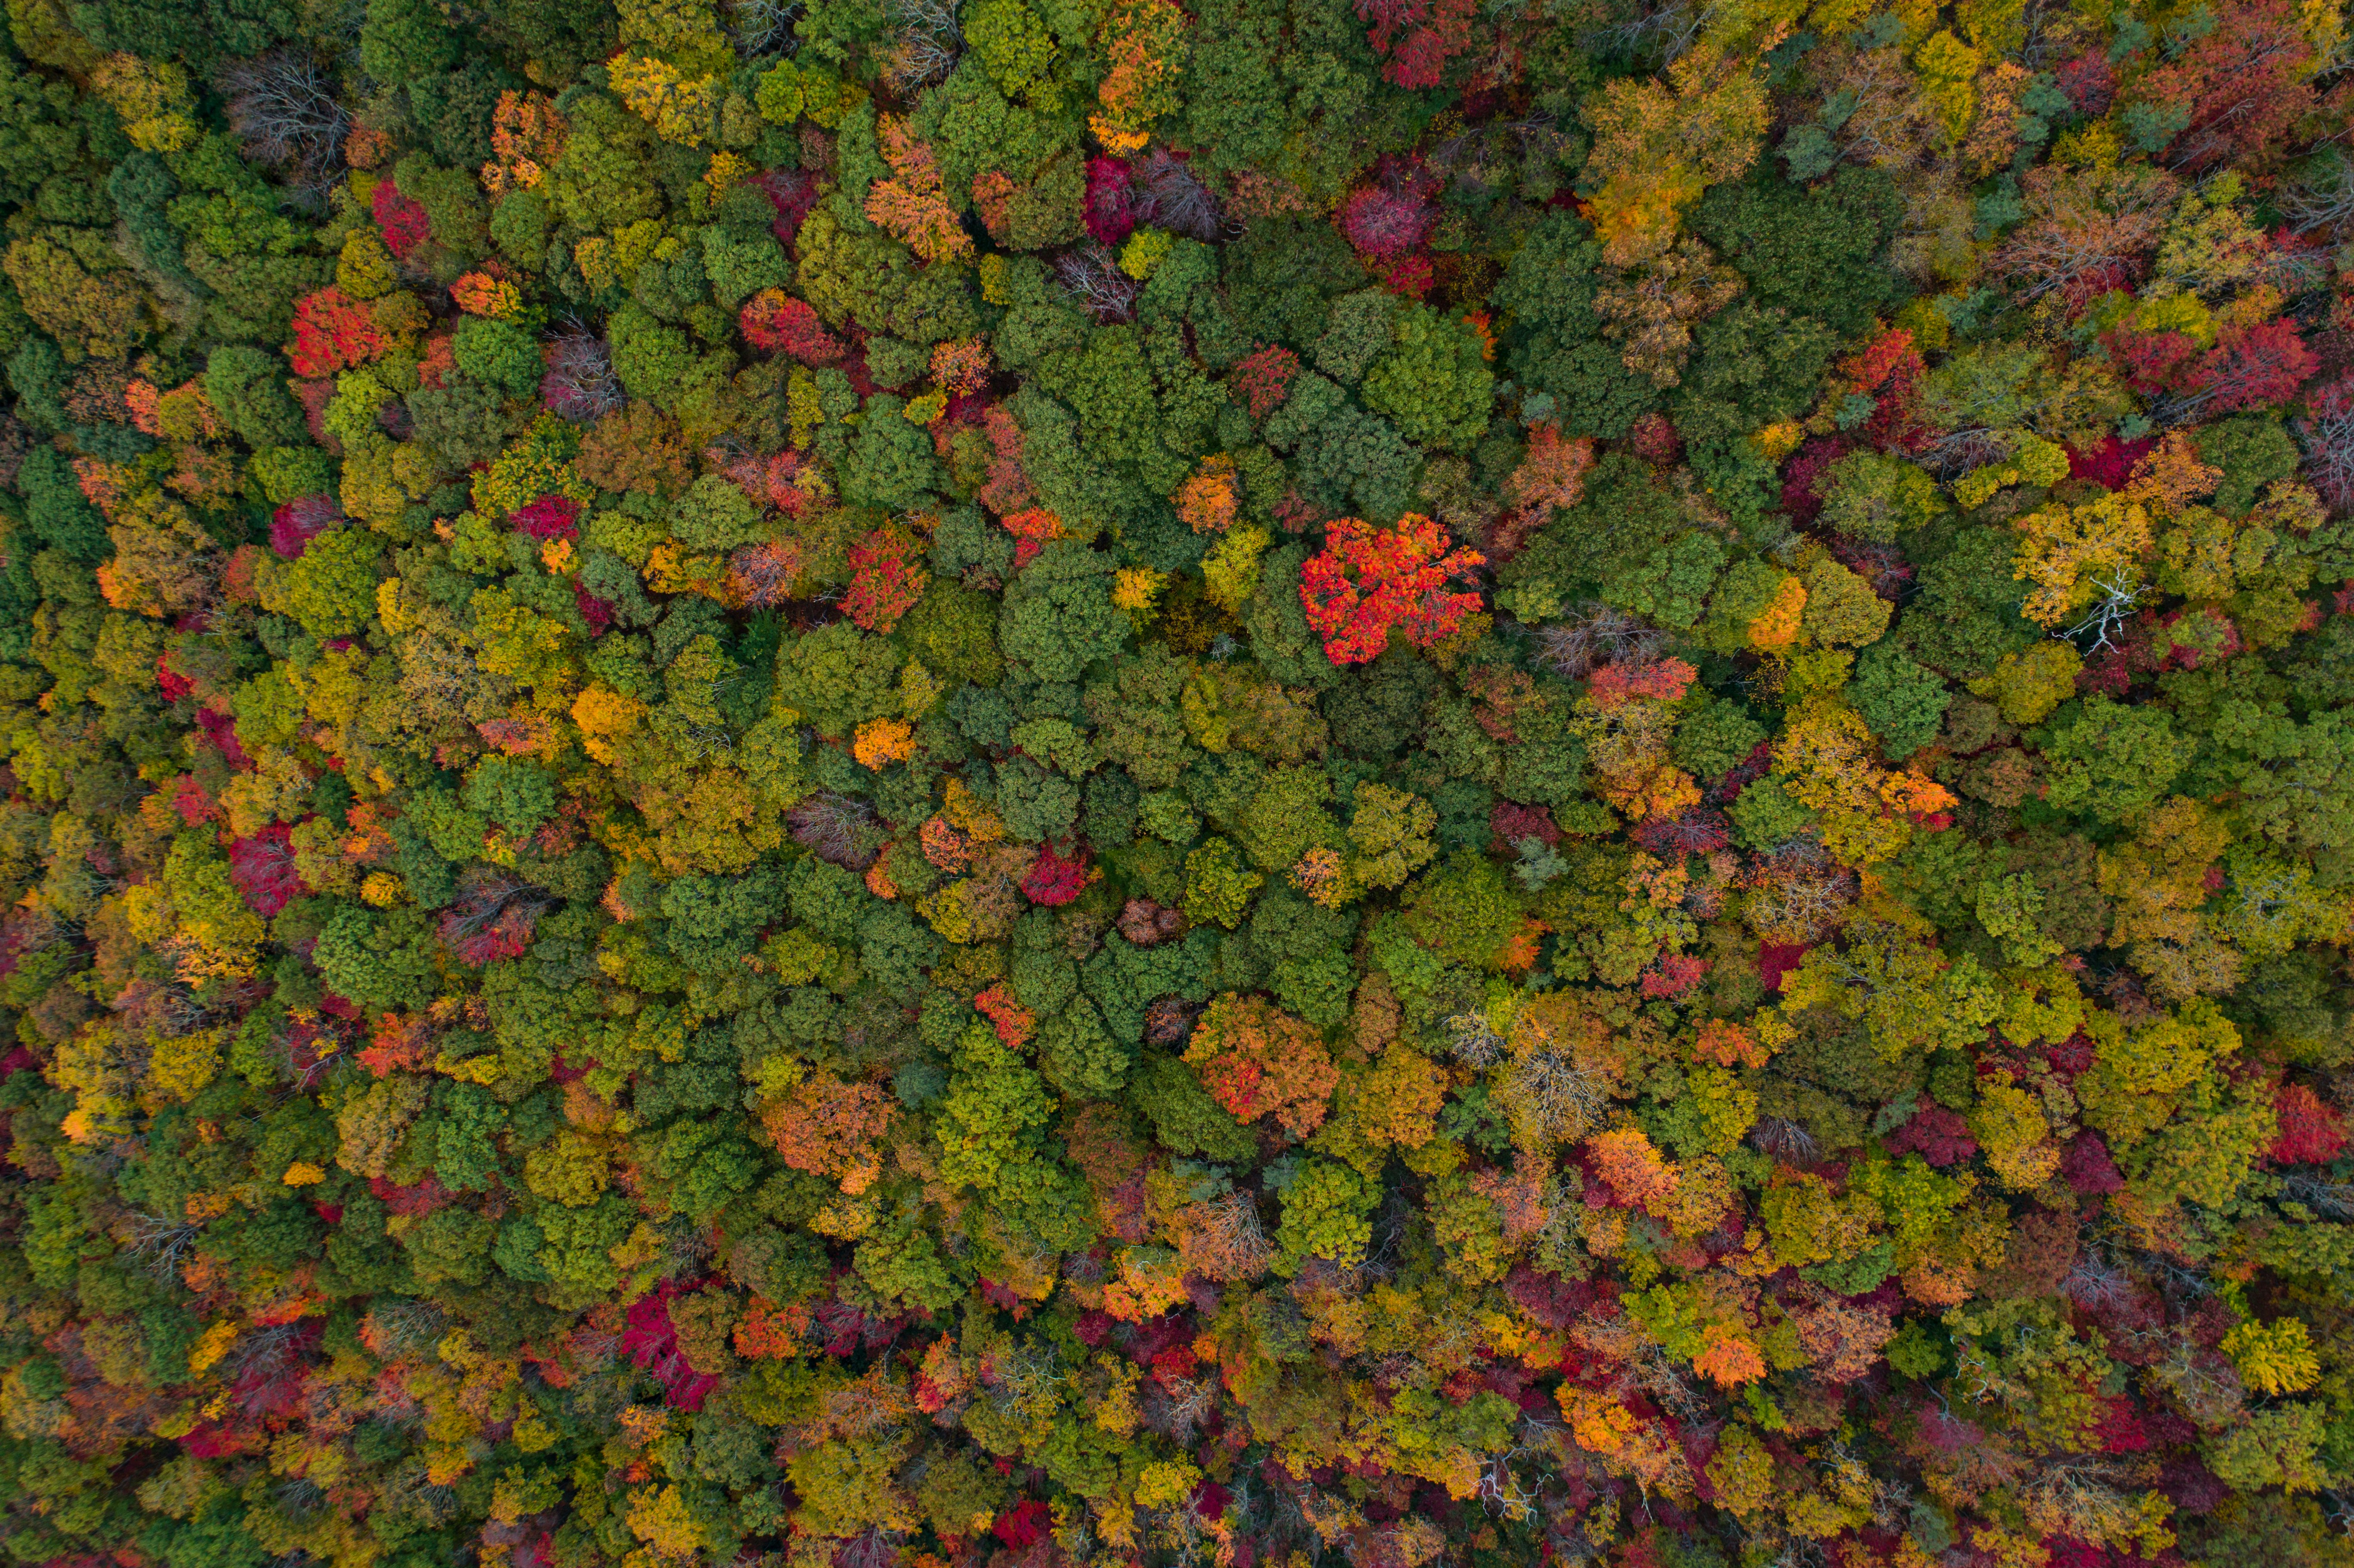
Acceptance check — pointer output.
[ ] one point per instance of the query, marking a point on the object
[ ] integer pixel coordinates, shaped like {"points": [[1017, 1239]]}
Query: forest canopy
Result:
{"points": [[997, 783]]}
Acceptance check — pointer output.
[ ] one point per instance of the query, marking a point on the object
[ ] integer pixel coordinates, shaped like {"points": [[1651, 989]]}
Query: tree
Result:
{"points": [[992, 1114], [772, 320], [1841, 608], [331, 589], [1389, 832], [1658, 145], [1367, 581], [1218, 885], [247, 386], [886, 584], [1434, 382], [1259, 1061], [1815, 250], [1058, 616], [1138, 717], [1015, 47], [377, 959], [499, 353], [79, 299], [2115, 762], [332, 332], [1327, 1215], [830, 1128], [2265, 364], [1144, 42], [401, 42], [837, 679], [912, 205], [1470, 913], [1262, 378], [2082, 557], [1868, 496], [1903, 702], [2082, 227]]}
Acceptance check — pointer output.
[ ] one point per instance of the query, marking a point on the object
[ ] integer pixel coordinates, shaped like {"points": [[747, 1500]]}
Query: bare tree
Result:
{"points": [[2334, 1199], [299, 1497], [1654, 32], [1092, 281], [836, 828], [579, 383], [1783, 1139], [1169, 197], [1549, 1098], [875, 1547], [494, 914], [163, 1242], [1474, 1041], [2321, 200], [399, 1325], [1799, 893], [283, 109], [2086, 228], [764, 27], [926, 43], [2119, 593], [2327, 434], [1595, 635], [2096, 1281]]}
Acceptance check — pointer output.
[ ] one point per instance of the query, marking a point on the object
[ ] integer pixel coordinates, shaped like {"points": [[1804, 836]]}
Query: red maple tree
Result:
{"points": [[886, 583], [1369, 579], [332, 332], [774, 320]]}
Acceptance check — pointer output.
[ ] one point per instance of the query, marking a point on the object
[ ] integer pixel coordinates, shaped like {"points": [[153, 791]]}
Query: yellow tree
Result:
{"points": [[2081, 557], [1658, 145], [1146, 43]]}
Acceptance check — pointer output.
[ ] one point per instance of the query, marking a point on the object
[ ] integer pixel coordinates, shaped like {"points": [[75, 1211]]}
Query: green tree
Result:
{"points": [[890, 463], [498, 353], [332, 589], [837, 678], [1057, 616], [1434, 383], [1556, 342], [1326, 1213], [1904, 702], [404, 40], [380, 959], [2114, 762], [1817, 253], [248, 387], [1869, 496]]}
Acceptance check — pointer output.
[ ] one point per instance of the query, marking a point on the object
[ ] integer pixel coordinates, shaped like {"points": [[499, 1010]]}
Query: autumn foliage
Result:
{"points": [[993, 784], [1259, 1061], [1369, 581]]}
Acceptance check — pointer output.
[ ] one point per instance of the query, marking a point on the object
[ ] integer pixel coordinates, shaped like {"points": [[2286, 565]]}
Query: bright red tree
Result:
{"points": [[774, 320], [404, 222], [2264, 365], [1419, 36], [887, 581], [332, 332], [1370, 579], [1382, 223]]}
